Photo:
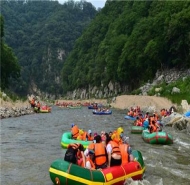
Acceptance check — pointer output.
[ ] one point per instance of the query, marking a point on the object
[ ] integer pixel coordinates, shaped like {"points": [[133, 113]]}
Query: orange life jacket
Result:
{"points": [[153, 128], [124, 153], [115, 147], [75, 131], [91, 146], [90, 137], [99, 154], [91, 163]]}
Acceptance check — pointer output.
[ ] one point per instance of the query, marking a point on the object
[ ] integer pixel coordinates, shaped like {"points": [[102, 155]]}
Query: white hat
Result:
{"points": [[89, 132]]}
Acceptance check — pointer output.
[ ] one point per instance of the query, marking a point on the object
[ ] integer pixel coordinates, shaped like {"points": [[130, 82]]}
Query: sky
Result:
{"points": [[96, 3]]}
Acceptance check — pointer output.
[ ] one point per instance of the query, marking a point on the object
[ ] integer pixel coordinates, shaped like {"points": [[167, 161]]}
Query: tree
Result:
{"points": [[9, 65]]}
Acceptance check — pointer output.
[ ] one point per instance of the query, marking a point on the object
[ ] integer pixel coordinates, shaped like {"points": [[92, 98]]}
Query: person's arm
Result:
{"points": [[109, 149], [109, 160], [81, 148]]}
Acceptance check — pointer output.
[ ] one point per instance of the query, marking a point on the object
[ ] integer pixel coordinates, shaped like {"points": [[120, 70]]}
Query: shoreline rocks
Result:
{"points": [[178, 122], [6, 112]]}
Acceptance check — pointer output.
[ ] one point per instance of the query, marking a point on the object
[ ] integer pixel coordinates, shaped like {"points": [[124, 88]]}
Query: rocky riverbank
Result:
{"points": [[14, 109], [178, 122], [15, 112]]}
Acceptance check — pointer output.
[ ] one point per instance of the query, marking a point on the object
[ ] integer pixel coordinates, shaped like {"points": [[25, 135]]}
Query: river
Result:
{"points": [[30, 143]]}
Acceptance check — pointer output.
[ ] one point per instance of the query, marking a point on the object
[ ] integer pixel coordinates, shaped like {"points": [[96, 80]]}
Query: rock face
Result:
{"points": [[182, 124], [111, 90], [185, 106], [114, 89], [166, 76], [178, 122]]}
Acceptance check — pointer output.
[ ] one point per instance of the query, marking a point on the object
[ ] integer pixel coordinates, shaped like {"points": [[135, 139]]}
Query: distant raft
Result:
{"points": [[130, 118], [137, 129], [43, 109], [157, 137], [63, 172], [74, 107], [107, 112]]}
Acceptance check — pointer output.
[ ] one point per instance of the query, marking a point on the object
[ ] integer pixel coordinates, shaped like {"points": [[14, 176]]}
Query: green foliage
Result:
{"points": [[183, 85], [128, 42], [44, 33], [12, 96], [136, 92], [9, 65], [3, 97]]}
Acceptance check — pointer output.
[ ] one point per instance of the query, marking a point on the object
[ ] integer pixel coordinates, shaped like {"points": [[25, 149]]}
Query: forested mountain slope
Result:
{"points": [[41, 34], [126, 43], [109, 52]]}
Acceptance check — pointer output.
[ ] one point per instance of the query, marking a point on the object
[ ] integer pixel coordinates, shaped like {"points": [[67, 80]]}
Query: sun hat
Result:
{"points": [[119, 130]]}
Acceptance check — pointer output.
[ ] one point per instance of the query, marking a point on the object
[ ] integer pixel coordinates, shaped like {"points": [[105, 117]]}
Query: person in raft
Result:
{"points": [[100, 154], [74, 131], [126, 151], [82, 135], [75, 154], [117, 135], [89, 136], [113, 151]]}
